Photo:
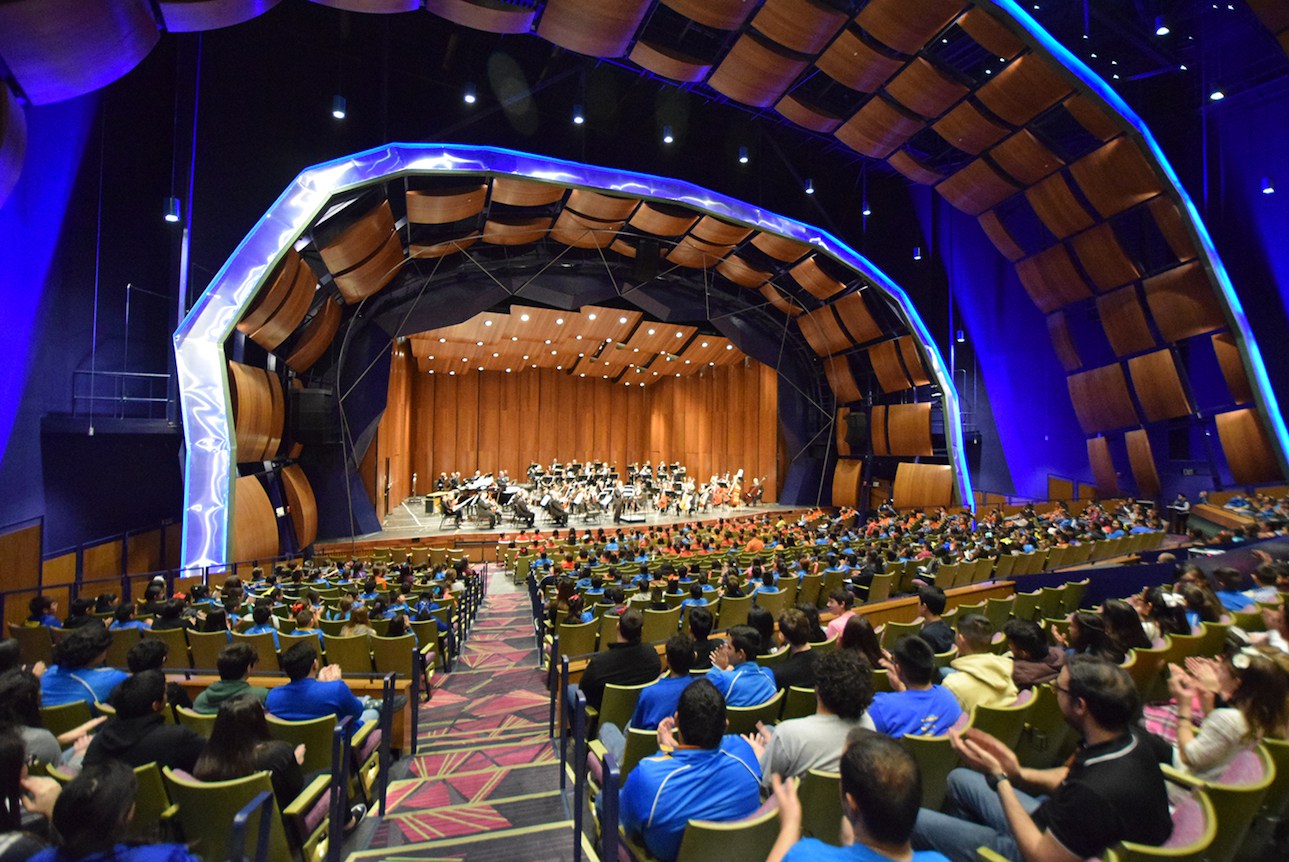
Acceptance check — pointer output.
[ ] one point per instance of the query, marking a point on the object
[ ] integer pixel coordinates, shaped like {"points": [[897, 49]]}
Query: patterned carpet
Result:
{"points": [[485, 782]]}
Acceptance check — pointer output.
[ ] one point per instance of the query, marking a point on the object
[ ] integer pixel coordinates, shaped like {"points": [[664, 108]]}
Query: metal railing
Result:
{"points": [[120, 394]]}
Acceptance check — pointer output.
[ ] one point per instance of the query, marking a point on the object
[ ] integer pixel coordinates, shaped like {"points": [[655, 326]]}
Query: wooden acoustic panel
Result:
{"points": [[668, 62], [1028, 85], [779, 301], [258, 411], [1103, 124], [841, 379], [878, 128], [907, 25], [877, 431], [839, 432], [1176, 230], [1101, 400], [845, 482], [661, 219], [756, 72], [255, 534], [780, 248], [717, 14], [853, 63], [374, 273], [601, 29], [1102, 467], [600, 207], [712, 230], [823, 332], [281, 304], [812, 277], [1248, 448], [1057, 207], [1059, 489], [443, 206], [1124, 321], [506, 230], [1025, 158], [301, 504], [807, 116], [485, 15], [516, 192], [885, 359], [443, 248], [1058, 329], [693, 253], [990, 33], [1051, 279], [1103, 258], [999, 236], [1142, 462], [976, 188], [196, 16], [1183, 302], [853, 312], [742, 273], [910, 429], [1158, 386], [580, 232], [801, 25], [969, 130], [914, 168], [912, 360], [1232, 364], [924, 89], [316, 337], [1116, 176], [923, 486]]}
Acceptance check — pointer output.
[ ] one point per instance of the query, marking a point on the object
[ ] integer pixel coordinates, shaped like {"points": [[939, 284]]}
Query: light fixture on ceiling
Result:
{"points": [[172, 209], [578, 117], [524, 318], [917, 252], [559, 321], [487, 323], [810, 187], [468, 95], [338, 107], [622, 320], [1161, 28], [1217, 95], [591, 316], [866, 211], [742, 155], [667, 136], [1268, 186], [962, 336]]}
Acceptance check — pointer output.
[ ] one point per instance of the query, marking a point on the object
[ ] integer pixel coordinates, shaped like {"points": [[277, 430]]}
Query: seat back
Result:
{"points": [[820, 795], [743, 719], [1044, 736], [34, 643], [60, 719], [207, 809], [1212, 639], [122, 640], [769, 661], [798, 702], [331, 628], [808, 591], [176, 647], [880, 589], [314, 733], [264, 646], [353, 653], [935, 759], [640, 744], [772, 602], [1273, 804], [150, 802], [205, 647], [1003, 722], [1026, 606], [659, 625], [881, 680], [619, 702], [1194, 829], [733, 612], [577, 638], [895, 631], [608, 631], [750, 838], [1074, 593], [198, 721], [1050, 601], [1237, 797], [394, 655], [1006, 566], [999, 611]]}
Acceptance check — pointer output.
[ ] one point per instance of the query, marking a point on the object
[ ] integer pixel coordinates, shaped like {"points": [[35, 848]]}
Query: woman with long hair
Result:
{"points": [[1254, 686], [1162, 613], [1123, 625], [359, 624], [859, 635], [240, 744], [1088, 636], [20, 707], [1202, 605]]}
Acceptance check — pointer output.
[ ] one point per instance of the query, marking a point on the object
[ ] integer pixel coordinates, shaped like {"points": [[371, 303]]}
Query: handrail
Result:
{"points": [[263, 801]]}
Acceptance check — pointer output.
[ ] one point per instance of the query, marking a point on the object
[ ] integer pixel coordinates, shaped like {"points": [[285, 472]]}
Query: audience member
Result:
{"points": [[916, 705], [799, 667], [658, 700], [240, 745], [626, 662], [1229, 581], [235, 663], [20, 709], [151, 654], [735, 673], [700, 629], [305, 697], [980, 677], [840, 602], [76, 673], [935, 631], [44, 612], [859, 635], [1034, 660], [139, 732]]}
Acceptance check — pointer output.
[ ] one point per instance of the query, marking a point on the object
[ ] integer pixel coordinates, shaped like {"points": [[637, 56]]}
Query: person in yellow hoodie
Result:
{"points": [[980, 676]]}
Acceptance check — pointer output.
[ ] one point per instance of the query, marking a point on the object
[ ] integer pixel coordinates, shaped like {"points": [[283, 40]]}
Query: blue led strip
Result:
{"points": [[199, 341], [1240, 323]]}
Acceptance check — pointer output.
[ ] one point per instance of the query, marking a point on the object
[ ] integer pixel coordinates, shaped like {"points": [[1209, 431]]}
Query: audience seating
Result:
{"points": [[122, 640], [798, 702], [577, 638], [894, 631], [205, 648], [198, 721], [618, 703], [660, 625], [1195, 827], [775, 603], [733, 612], [743, 719], [34, 643], [749, 838], [263, 644], [1236, 798], [60, 719], [176, 647], [1044, 737], [935, 759], [820, 795], [1074, 593], [1003, 722], [352, 653], [608, 630]]}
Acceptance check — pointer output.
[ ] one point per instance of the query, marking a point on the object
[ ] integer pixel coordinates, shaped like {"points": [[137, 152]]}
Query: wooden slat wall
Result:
{"points": [[1228, 357], [55, 574], [102, 561], [839, 428], [910, 429], [725, 420], [393, 437], [302, 505], [1060, 489], [144, 552], [923, 485], [20, 562], [1142, 462], [1248, 449], [1102, 466]]}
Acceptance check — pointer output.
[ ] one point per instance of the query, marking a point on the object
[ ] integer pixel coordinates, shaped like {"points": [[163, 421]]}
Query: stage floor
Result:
{"points": [[408, 520]]}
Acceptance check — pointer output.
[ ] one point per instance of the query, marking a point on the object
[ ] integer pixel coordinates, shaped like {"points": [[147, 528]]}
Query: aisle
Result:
{"points": [[485, 783]]}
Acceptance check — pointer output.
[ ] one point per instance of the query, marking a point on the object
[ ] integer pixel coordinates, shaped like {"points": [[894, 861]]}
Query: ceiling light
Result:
{"points": [[450, 373], [579, 338], [465, 359], [478, 344], [578, 117], [729, 347], [487, 323], [704, 343], [172, 209], [866, 211], [1216, 96], [553, 352], [1161, 29], [591, 316], [548, 341], [712, 364], [810, 187], [1268, 186], [480, 367], [496, 356], [524, 318], [622, 320], [962, 336], [680, 334], [666, 135], [443, 341], [583, 374], [514, 338], [338, 107], [468, 94], [742, 155], [507, 370], [559, 321], [430, 358], [917, 252], [651, 332], [431, 370]]}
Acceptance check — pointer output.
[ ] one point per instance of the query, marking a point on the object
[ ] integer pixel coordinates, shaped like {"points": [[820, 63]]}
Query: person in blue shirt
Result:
{"points": [[735, 672], [398, 607], [658, 699], [76, 673], [881, 790], [707, 775], [306, 623], [123, 618], [305, 698], [916, 705], [261, 614], [369, 592], [44, 612], [768, 584], [696, 598], [1229, 581]]}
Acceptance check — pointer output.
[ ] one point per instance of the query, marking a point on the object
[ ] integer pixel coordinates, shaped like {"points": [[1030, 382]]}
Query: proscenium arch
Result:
{"points": [[200, 341]]}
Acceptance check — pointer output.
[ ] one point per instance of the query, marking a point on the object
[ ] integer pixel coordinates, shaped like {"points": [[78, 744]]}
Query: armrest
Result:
{"points": [[308, 796], [362, 733], [1177, 776], [987, 855]]}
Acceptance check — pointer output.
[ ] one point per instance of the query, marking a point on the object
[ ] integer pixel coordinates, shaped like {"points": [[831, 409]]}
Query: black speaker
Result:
{"points": [[1179, 444], [646, 265], [857, 430], [314, 418]]}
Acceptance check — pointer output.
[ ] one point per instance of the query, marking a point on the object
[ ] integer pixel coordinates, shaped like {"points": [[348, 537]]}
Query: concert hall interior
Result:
{"points": [[273, 267]]}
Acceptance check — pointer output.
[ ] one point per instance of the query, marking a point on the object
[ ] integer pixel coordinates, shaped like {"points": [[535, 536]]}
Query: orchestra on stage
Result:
{"points": [[587, 492]]}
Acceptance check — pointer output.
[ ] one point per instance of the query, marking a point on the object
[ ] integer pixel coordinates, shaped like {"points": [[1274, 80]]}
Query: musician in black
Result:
{"points": [[555, 508], [619, 503], [522, 511]]}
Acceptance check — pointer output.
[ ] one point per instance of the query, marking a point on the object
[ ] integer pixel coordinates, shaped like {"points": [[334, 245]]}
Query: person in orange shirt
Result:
{"points": [[755, 545]]}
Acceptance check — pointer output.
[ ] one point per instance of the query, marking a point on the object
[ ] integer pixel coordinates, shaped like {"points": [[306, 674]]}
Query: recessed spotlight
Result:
{"points": [[622, 320], [742, 155], [338, 107], [1268, 186], [524, 318], [917, 252], [478, 344], [554, 352], [172, 209], [729, 347], [810, 187], [591, 316], [680, 334], [469, 95], [548, 341], [443, 341], [514, 338], [431, 358], [1216, 96], [487, 323], [579, 338], [578, 117], [704, 343], [559, 321], [667, 137], [507, 370], [866, 211], [651, 332], [496, 356], [450, 373]]}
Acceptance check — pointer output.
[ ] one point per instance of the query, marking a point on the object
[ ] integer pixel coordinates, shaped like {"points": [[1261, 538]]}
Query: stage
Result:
{"points": [[408, 520]]}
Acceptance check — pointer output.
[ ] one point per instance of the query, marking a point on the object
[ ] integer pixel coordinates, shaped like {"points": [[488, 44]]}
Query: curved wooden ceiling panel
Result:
{"points": [[600, 29], [811, 276], [373, 273], [852, 62], [194, 16], [13, 141], [779, 301], [283, 320], [885, 359], [907, 25], [1026, 87], [1058, 330], [755, 72], [301, 504], [1056, 206], [515, 231], [1101, 400], [694, 253], [257, 422], [255, 535], [801, 25], [806, 116], [1051, 279], [780, 248], [443, 248], [486, 16], [841, 379], [718, 14], [358, 242], [924, 89], [853, 312], [823, 332], [662, 219], [517, 192], [1025, 158], [969, 130], [580, 232], [913, 361], [1124, 322], [1115, 177], [273, 293], [594, 205], [1103, 258], [1158, 386], [976, 188], [668, 62], [913, 168], [443, 206], [316, 337], [742, 273], [712, 230], [990, 33], [1182, 302], [878, 128]]}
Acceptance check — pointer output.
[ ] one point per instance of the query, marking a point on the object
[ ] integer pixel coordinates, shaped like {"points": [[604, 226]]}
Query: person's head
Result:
{"points": [[1227, 578], [1168, 610], [171, 609], [359, 617], [630, 626], [299, 659], [236, 660], [1088, 634], [41, 605], [20, 698], [1093, 688], [746, 642], [795, 627], [932, 600], [844, 683], [93, 811], [696, 590], [975, 634], [840, 601], [700, 714], [762, 620], [812, 616], [124, 613], [914, 660], [261, 615], [13, 764], [84, 647], [1259, 688], [305, 618], [147, 654], [881, 788], [700, 623], [680, 654], [240, 723], [1124, 625], [858, 634], [1026, 640], [81, 607], [398, 626], [1201, 600], [140, 694], [10, 655]]}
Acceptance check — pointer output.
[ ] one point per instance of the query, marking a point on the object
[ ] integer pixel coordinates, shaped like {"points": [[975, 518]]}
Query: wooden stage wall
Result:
{"points": [[491, 421]]}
